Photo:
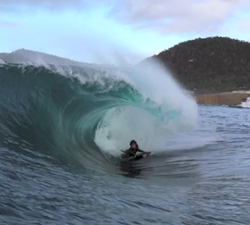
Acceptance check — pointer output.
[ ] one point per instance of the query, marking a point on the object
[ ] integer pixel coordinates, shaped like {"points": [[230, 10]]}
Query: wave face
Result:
{"points": [[86, 113]]}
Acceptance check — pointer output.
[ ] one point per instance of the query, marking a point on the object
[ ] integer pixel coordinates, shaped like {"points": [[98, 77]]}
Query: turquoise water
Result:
{"points": [[204, 185], [85, 114]]}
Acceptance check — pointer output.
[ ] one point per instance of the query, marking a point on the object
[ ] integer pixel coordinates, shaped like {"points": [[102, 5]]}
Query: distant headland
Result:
{"points": [[211, 66]]}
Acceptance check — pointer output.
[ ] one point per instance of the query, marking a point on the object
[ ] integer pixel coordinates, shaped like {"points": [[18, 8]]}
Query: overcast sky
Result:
{"points": [[107, 30]]}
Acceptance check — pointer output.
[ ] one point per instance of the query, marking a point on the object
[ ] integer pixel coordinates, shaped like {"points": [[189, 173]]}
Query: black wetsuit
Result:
{"points": [[131, 152]]}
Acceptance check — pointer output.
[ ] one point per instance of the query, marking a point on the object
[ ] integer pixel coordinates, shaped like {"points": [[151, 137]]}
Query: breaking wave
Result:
{"points": [[86, 113]]}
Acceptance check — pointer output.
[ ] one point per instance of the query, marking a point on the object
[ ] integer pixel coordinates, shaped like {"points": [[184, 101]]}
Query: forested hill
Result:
{"points": [[215, 64]]}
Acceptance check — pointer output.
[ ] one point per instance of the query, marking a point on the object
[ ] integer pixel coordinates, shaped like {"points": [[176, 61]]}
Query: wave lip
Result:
{"points": [[88, 113]]}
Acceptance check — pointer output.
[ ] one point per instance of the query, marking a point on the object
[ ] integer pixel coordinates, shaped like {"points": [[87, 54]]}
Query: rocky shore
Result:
{"points": [[234, 98]]}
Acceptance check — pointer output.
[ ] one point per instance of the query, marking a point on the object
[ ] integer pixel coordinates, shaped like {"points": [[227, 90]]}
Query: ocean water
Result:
{"points": [[63, 124]]}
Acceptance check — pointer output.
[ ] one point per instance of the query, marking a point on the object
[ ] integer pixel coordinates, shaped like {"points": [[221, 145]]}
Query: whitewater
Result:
{"points": [[64, 123]]}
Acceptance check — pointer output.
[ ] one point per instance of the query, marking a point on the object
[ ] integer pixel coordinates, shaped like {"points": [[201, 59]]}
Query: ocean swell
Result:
{"points": [[87, 113]]}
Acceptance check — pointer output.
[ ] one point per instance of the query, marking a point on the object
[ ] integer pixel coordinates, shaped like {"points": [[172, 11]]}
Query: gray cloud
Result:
{"points": [[165, 16], [178, 16]]}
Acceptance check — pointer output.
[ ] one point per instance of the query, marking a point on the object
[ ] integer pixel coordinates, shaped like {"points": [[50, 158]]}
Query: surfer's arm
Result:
{"points": [[139, 150]]}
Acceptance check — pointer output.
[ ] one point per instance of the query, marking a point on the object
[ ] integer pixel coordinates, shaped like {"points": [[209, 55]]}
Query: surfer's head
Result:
{"points": [[133, 144]]}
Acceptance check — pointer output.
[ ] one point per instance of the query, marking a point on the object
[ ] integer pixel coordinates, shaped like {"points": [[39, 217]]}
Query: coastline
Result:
{"points": [[234, 98]]}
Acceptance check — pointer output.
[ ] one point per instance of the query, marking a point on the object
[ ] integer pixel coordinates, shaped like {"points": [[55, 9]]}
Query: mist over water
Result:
{"points": [[164, 108]]}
